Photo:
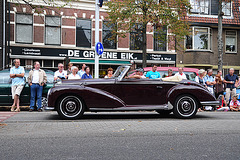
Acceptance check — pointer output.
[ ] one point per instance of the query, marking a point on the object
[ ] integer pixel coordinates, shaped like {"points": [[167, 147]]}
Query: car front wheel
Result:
{"points": [[70, 107], [185, 106]]}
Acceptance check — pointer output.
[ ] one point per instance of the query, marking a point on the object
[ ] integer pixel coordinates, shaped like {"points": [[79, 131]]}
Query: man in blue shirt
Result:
{"points": [[209, 80], [82, 70], [17, 74], [153, 74], [231, 80]]}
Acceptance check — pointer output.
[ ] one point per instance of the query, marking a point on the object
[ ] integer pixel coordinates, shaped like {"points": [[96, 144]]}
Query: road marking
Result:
{"points": [[6, 115]]}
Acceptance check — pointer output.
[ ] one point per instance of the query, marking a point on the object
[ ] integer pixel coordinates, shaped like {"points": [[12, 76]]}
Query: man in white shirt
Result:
{"points": [[82, 71], [37, 79], [180, 73], [60, 73]]}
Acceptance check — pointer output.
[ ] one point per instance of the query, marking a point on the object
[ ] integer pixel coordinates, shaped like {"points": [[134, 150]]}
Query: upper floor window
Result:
{"points": [[108, 40], [210, 7], [136, 37], [199, 39], [231, 41], [160, 39], [84, 29], [24, 28], [53, 30]]}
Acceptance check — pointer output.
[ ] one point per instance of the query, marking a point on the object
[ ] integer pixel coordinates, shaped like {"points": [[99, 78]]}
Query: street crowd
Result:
{"points": [[37, 79]]}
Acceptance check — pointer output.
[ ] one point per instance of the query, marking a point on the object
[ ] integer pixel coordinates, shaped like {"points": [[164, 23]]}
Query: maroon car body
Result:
{"points": [[71, 98]]}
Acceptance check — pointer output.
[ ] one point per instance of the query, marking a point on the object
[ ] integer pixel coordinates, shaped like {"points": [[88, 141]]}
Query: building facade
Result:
{"points": [[52, 35], [201, 47]]}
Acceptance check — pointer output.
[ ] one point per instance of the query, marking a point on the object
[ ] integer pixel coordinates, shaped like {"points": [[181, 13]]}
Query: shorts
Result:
{"points": [[17, 89]]}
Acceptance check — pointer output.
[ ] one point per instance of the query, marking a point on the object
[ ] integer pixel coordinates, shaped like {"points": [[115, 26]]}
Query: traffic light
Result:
{"points": [[100, 3]]}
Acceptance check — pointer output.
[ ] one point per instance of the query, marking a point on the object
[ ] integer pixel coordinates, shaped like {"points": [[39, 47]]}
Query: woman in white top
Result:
{"points": [[74, 74], [200, 78]]}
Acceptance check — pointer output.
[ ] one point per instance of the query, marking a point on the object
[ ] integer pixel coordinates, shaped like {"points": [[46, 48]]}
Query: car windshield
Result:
{"points": [[121, 71]]}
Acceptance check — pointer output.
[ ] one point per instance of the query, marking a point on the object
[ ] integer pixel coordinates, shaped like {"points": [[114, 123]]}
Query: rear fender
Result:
{"points": [[201, 94]]}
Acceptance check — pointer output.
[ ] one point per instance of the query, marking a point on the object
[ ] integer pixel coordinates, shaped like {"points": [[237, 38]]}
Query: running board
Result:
{"points": [[133, 108]]}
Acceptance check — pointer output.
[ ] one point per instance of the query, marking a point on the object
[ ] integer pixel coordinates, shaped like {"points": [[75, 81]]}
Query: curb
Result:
{"points": [[8, 108]]}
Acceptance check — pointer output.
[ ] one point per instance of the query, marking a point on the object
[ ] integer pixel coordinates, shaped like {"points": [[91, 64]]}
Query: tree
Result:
{"points": [[127, 15]]}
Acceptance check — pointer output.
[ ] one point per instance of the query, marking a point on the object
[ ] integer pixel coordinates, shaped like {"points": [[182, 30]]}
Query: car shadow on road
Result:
{"points": [[126, 115]]}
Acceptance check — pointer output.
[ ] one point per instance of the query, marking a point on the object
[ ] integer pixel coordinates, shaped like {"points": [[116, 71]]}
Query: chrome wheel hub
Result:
{"points": [[70, 106]]}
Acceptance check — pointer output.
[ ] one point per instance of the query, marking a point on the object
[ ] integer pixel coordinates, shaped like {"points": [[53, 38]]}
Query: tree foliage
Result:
{"points": [[158, 13]]}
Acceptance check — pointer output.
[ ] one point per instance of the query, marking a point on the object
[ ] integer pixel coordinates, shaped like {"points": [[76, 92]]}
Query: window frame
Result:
{"points": [[166, 42], [45, 26], [235, 41], [130, 42], [102, 36], [210, 11], [193, 40], [91, 29], [16, 23]]}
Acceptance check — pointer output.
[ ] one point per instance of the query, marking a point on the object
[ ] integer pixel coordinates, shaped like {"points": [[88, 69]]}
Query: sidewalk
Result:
{"points": [[8, 108]]}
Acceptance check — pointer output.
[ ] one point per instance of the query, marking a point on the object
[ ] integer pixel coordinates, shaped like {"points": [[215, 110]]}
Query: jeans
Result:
{"points": [[36, 89]]}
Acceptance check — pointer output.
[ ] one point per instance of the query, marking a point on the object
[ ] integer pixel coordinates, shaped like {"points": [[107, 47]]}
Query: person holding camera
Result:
{"points": [[231, 81]]}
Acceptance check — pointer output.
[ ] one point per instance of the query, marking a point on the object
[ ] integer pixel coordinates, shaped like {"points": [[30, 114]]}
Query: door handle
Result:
{"points": [[159, 87]]}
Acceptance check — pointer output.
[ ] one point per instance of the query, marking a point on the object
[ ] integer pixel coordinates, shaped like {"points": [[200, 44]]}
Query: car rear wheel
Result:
{"points": [[185, 106], [70, 107], [164, 112]]}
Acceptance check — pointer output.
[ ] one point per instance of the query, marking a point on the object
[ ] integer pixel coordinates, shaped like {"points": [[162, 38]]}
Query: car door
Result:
{"points": [[142, 92], [5, 89]]}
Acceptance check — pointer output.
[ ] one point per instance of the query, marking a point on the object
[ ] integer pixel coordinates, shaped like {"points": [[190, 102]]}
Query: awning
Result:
{"points": [[109, 62]]}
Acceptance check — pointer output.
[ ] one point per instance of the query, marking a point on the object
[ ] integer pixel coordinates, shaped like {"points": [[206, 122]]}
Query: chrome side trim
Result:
{"points": [[134, 108], [49, 108], [210, 103]]}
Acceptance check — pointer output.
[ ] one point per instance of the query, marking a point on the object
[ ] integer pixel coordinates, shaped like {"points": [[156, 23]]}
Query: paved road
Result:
{"points": [[108, 136]]}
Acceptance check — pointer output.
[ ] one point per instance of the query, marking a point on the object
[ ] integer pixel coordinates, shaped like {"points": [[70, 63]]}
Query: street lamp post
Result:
{"points": [[96, 66]]}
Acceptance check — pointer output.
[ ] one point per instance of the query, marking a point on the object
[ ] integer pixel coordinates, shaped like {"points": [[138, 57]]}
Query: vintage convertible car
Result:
{"points": [[71, 98]]}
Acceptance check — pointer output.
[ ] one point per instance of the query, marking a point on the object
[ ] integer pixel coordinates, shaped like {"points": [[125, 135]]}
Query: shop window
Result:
{"points": [[108, 40], [160, 39], [231, 41], [199, 39], [210, 7], [56, 63], [84, 29], [24, 28], [53, 30], [47, 63], [136, 37]]}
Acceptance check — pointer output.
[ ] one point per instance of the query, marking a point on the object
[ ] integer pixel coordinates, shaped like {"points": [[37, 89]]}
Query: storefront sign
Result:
{"points": [[89, 54]]}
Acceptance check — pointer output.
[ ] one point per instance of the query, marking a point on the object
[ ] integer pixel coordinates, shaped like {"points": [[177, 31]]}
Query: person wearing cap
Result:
{"points": [[139, 74], [110, 73]]}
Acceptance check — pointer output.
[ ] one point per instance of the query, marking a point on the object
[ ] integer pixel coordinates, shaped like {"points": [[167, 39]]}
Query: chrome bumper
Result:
{"points": [[210, 103], [49, 108]]}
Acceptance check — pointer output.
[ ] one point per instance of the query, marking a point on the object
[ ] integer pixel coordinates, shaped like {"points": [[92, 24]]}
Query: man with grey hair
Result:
{"points": [[60, 73], [231, 80], [209, 80], [37, 79], [17, 75], [180, 73]]}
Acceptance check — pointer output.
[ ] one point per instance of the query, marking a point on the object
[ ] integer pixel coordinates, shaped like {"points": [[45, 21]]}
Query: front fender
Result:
{"points": [[200, 93], [92, 97]]}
